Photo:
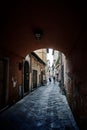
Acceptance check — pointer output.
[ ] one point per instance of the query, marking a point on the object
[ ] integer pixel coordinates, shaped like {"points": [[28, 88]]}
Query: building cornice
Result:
{"points": [[38, 58]]}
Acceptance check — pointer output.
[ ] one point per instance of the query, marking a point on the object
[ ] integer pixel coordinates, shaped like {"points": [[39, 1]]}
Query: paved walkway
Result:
{"points": [[44, 109]]}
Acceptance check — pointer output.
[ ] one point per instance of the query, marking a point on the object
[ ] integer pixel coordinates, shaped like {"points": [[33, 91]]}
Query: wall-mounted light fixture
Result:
{"points": [[37, 33]]}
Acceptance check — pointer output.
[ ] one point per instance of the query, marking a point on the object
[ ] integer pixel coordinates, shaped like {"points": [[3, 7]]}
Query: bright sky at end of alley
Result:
{"points": [[50, 57]]}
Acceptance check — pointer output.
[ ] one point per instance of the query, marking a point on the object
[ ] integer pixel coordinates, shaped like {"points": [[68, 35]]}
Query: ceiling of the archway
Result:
{"points": [[61, 24]]}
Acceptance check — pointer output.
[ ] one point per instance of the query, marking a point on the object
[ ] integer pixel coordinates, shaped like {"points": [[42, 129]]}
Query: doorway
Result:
{"points": [[34, 78], [3, 82], [26, 76]]}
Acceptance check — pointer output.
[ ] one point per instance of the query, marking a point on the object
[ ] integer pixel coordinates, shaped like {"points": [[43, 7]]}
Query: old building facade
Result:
{"points": [[31, 71]]}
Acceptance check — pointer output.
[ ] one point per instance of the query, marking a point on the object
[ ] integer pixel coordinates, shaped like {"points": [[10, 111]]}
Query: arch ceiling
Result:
{"points": [[62, 24]]}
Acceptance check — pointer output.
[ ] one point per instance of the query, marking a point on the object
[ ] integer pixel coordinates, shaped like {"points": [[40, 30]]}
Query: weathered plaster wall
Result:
{"points": [[76, 80]]}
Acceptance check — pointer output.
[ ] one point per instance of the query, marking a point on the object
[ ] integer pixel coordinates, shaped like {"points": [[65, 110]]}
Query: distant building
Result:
{"points": [[42, 54], [36, 71]]}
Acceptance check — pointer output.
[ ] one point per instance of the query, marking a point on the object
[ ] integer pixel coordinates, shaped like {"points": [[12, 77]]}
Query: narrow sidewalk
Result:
{"points": [[44, 109]]}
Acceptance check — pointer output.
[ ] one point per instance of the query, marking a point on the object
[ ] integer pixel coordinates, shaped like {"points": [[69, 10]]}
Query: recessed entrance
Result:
{"points": [[26, 76], [3, 82]]}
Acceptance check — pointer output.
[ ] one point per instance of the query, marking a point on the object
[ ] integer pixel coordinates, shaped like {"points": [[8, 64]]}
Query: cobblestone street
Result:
{"points": [[43, 109]]}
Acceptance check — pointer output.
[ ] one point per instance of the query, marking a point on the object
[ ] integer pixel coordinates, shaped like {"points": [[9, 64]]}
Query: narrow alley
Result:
{"points": [[45, 108]]}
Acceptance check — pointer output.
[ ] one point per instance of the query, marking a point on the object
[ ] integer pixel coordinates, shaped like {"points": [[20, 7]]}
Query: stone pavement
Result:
{"points": [[43, 109]]}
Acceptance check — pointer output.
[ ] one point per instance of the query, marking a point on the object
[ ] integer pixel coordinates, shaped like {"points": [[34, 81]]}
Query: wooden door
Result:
{"points": [[26, 76], [3, 83]]}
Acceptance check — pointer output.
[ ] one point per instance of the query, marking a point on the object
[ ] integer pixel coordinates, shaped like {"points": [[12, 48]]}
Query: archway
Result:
{"points": [[64, 28]]}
